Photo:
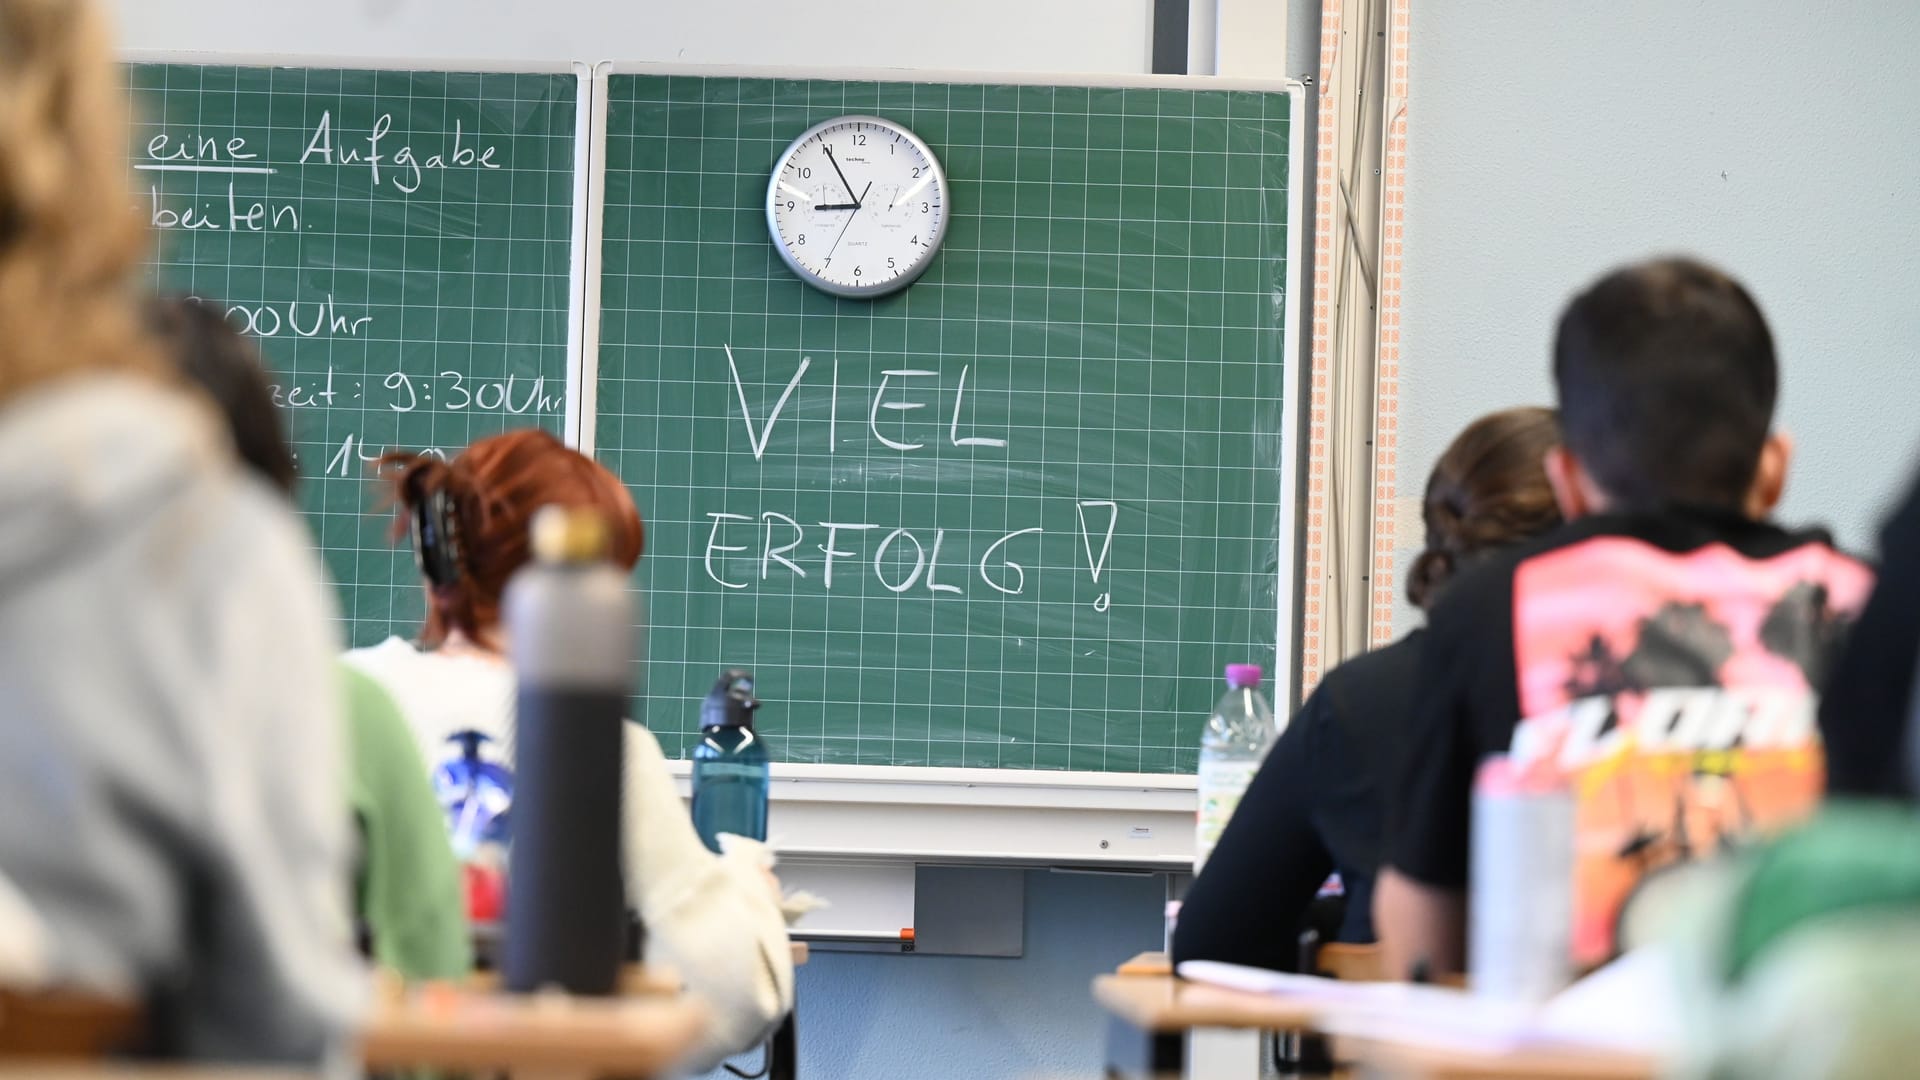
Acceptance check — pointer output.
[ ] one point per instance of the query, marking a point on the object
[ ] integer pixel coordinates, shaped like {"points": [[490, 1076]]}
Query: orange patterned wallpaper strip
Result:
{"points": [[1386, 420], [1313, 570]]}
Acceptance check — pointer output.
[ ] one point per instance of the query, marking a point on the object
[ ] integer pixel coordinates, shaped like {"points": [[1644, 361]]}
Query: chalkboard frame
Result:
{"points": [[839, 800]]}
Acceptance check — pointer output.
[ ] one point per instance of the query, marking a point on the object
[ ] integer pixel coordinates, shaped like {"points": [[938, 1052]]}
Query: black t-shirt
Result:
{"points": [[1864, 708], [1692, 631], [1316, 806]]}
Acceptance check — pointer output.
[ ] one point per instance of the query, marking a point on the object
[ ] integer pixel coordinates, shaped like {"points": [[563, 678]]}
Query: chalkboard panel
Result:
{"points": [[399, 244], [1017, 516]]}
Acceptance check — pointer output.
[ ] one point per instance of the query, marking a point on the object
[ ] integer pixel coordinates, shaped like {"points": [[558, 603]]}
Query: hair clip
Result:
{"points": [[436, 537]]}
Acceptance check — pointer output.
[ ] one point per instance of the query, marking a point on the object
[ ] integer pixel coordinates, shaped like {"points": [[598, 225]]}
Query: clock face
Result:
{"points": [[857, 206]]}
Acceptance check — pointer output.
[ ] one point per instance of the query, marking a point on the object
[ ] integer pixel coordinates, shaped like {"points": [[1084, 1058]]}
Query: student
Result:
{"points": [[167, 694], [1315, 807], [406, 884], [717, 921], [1865, 707], [1668, 601], [219, 362]]}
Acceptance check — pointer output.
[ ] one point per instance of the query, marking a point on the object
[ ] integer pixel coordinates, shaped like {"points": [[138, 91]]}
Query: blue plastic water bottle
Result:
{"points": [[730, 775]]}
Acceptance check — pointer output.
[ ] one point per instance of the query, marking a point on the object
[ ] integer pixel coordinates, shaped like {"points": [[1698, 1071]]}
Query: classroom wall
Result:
{"points": [[982, 1018], [999, 35], [1550, 141], [862, 1014]]}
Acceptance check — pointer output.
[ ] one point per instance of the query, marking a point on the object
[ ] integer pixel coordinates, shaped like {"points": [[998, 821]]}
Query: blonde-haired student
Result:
{"points": [[168, 703]]}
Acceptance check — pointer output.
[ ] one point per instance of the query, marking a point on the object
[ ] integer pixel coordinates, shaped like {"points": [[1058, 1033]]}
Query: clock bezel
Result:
{"points": [[891, 285]]}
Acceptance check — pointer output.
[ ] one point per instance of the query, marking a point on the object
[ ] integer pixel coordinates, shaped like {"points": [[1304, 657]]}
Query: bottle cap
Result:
{"points": [[731, 703], [1243, 676], [569, 534]]}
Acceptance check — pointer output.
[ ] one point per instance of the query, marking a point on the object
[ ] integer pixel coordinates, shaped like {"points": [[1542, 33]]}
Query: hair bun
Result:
{"points": [[1489, 489], [1430, 571]]}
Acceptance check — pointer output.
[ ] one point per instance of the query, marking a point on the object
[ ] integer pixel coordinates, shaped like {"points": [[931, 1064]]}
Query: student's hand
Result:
{"points": [[1422, 928]]}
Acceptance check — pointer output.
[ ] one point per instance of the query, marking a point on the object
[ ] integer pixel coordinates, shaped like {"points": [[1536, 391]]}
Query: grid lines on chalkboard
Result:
{"points": [[1110, 284], [438, 315]]}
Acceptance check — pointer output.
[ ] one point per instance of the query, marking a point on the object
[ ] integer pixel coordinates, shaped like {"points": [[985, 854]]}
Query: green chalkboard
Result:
{"points": [[399, 244], [1110, 303]]}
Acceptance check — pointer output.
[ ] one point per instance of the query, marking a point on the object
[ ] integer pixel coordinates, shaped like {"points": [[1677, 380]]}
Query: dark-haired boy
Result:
{"points": [[1663, 648]]}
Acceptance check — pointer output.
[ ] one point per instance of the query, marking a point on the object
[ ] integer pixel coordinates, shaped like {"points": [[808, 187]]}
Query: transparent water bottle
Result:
{"points": [[730, 773], [1235, 742]]}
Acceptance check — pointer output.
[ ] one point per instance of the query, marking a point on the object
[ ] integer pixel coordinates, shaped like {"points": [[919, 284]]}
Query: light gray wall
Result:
{"points": [[1549, 141], [865, 1015], [978, 35]]}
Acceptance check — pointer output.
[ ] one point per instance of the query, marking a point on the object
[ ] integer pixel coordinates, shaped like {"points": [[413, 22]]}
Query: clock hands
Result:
{"points": [[837, 206], [860, 199], [835, 162]]}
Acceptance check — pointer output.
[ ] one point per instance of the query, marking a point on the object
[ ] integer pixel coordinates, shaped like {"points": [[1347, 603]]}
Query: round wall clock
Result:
{"points": [[857, 206]]}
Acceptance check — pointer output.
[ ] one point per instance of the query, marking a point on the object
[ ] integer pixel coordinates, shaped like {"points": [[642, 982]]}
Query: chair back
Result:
{"points": [[67, 1024], [1351, 963]]}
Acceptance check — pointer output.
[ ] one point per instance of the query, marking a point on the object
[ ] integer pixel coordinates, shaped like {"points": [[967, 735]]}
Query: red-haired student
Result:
{"points": [[717, 921]]}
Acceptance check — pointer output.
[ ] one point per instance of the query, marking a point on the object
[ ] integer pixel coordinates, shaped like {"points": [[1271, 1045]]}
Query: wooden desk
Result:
{"points": [[1162, 1026], [1148, 963], [635, 981], [1163, 1003], [124, 1070], [453, 1029], [1407, 1062]]}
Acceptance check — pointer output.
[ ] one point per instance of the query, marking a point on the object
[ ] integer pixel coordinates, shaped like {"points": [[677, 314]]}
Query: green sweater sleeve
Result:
{"points": [[409, 893]]}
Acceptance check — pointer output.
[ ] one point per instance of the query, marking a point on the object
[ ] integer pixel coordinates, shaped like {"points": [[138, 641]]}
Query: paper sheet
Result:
{"points": [[1626, 1006]]}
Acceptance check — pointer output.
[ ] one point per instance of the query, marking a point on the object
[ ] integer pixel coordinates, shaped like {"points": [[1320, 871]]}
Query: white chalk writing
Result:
{"points": [[408, 167], [906, 560], [899, 393]]}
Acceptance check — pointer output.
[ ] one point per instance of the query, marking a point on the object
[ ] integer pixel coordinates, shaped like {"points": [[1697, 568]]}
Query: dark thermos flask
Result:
{"points": [[570, 631]]}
